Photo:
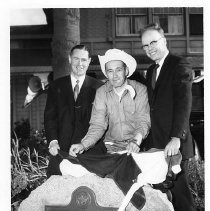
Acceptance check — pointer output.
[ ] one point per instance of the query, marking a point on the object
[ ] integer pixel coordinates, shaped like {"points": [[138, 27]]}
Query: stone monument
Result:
{"points": [[57, 192]]}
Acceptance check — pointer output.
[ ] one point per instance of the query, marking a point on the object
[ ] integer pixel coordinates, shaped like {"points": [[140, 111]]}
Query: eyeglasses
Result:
{"points": [[151, 44], [77, 60]]}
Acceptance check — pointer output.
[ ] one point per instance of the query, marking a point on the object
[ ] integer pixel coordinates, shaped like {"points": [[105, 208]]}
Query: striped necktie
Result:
{"points": [[76, 90]]}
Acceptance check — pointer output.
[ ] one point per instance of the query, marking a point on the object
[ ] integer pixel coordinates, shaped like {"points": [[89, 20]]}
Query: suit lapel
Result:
{"points": [[68, 91], [164, 69], [149, 83], [163, 73], [84, 89]]}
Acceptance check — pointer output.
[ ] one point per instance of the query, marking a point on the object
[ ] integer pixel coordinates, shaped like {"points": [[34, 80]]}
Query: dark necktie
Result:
{"points": [[76, 90], [154, 74]]}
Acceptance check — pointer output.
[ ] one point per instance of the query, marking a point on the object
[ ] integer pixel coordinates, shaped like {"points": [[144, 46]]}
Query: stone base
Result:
{"points": [[57, 190]]}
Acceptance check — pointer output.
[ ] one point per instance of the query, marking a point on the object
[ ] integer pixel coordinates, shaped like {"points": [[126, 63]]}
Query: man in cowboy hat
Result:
{"points": [[120, 114]]}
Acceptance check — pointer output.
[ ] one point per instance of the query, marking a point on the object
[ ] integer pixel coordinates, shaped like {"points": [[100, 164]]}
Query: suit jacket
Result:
{"points": [[67, 120], [170, 105]]}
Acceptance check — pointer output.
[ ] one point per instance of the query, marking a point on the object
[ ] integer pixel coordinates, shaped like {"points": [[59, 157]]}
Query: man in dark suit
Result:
{"points": [[68, 108], [169, 82]]}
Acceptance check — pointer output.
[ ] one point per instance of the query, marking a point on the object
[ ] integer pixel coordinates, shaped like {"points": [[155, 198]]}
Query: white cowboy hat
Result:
{"points": [[116, 54]]}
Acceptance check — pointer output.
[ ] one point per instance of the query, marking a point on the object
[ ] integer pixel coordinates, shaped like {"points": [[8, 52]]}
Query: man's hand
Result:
{"points": [[75, 149], [172, 147], [132, 147], [53, 148]]}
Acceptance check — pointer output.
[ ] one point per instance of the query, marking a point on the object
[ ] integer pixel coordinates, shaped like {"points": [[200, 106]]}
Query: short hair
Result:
{"points": [[81, 47], [150, 27]]}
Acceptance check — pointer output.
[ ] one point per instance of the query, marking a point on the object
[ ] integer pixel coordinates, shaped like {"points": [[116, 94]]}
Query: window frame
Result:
{"points": [[131, 15], [182, 13]]}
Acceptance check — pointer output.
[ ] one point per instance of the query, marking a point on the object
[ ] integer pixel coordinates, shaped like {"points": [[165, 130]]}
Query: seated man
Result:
{"points": [[120, 112]]}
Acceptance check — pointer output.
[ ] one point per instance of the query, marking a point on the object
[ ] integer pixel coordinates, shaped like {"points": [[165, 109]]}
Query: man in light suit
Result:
{"points": [[169, 82], [68, 108]]}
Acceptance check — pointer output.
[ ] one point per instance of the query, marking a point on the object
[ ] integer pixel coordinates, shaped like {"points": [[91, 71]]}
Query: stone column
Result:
{"points": [[66, 35]]}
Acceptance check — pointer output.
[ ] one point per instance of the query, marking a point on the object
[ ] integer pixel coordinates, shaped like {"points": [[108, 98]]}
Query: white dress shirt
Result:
{"points": [[74, 81], [161, 64]]}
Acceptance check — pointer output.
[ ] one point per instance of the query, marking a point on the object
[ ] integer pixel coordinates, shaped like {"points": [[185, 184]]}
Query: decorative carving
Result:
{"points": [[83, 199]]}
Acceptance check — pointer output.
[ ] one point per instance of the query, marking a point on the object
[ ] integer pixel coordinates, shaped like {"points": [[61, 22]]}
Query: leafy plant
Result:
{"points": [[28, 171], [196, 181]]}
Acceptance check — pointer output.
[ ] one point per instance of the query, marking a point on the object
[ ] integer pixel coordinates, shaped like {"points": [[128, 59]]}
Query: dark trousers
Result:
{"points": [[182, 197]]}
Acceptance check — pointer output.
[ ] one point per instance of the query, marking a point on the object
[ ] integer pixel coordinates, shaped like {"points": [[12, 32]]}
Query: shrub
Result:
{"points": [[28, 138], [28, 171], [196, 182]]}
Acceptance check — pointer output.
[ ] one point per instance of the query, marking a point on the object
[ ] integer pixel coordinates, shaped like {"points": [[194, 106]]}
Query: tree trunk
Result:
{"points": [[66, 35]]}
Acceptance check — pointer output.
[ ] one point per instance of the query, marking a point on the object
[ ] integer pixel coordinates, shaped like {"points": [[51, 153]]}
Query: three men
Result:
{"points": [[120, 109], [169, 82], [121, 116], [68, 108]]}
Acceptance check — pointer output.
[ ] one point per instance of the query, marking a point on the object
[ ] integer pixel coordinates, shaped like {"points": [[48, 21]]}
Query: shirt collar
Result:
{"points": [[73, 80], [131, 90], [128, 86], [162, 60]]}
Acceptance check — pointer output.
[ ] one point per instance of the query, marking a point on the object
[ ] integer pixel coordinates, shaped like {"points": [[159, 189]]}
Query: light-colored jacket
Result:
{"points": [[121, 119]]}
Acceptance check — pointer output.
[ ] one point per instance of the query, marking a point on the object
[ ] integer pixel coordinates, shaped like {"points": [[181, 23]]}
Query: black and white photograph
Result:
{"points": [[105, 108]]}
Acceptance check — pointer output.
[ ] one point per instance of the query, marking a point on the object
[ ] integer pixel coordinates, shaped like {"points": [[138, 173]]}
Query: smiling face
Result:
{"points": [[159, 48], [116, 72], [79, 62]]}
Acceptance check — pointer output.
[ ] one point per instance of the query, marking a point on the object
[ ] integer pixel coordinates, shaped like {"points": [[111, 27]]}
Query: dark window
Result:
{"points": [[196, 24], [196, 20], [198, 90]]}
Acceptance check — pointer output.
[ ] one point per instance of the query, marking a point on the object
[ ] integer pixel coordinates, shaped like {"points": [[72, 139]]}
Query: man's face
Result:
{"points": [[116, 73], [79, 62], [154, 45]]}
